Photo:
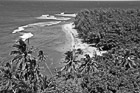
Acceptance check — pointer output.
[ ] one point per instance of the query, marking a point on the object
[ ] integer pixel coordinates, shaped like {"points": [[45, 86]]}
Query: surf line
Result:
{"points": [[26, 36], [76, 43]]}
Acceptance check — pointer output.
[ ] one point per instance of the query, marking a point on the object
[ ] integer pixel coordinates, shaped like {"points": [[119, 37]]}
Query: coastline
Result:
{"points": [[75, 43], [70, 34]]}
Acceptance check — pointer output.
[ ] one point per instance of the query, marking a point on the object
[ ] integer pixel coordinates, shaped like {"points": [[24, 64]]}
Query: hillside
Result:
{"points": [[116, 31]]}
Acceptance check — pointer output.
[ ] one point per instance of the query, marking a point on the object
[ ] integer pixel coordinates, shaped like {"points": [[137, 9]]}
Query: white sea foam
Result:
{"points": [[41, 24], [26, 36], [21, 28], [46, 17], [63, 18], [53, 17], [68, 15], [77, 44]]}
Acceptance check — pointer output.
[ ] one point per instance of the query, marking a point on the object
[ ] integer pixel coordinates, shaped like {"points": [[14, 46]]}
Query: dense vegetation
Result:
{"points": [[118, 32], [109, 28], [118, 71]]}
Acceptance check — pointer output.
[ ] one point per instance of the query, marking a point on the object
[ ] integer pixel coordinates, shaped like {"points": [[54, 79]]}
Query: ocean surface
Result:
{"points": [[41, 22]]}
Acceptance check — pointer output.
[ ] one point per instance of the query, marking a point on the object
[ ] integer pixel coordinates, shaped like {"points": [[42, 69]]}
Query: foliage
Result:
{"points": [[117, 71], [109, 28], [116, 31], [22, 74]]}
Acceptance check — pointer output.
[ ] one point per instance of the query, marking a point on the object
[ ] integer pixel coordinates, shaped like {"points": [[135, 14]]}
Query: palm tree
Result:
{"points": [[23, 73], [9, 82], [70, 62], [41, 58], [88, 65], [20, 52]]}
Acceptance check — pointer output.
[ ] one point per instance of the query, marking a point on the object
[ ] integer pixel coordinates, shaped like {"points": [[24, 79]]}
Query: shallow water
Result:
{"points": [[51, 38]]}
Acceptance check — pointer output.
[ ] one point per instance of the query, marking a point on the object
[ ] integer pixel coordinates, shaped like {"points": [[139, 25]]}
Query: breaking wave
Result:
{"points": [[21, 28], [58, 17], [41, 24], [53, 17], [25, 36], [68, 15]]}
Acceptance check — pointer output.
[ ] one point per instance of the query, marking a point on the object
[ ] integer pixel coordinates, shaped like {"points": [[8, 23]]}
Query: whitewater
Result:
{"points": [[55, 18], [76, 43]]}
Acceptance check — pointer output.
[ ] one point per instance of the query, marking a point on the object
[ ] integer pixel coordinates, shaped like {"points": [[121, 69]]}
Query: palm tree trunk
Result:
{"points": [[28, 41], [48, 68]]}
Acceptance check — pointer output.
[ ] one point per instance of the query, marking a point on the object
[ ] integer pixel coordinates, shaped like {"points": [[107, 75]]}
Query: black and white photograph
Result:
{"points": [[69, 46]]}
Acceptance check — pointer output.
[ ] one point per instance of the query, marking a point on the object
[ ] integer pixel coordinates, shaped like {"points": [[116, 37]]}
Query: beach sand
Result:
{"points": [[73, 42], [70, 40]]}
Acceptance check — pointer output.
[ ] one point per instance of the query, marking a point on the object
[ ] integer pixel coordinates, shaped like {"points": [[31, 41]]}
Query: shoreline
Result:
{"points": [[70, 34], [76, 43]]}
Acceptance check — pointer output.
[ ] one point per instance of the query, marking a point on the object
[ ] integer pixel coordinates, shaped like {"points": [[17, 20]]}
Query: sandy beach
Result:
{"points": [[75, 43], [70, 34]]}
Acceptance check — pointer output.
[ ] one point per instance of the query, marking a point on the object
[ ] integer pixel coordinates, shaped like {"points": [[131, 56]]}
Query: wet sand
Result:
{"points": [[73, 42]]}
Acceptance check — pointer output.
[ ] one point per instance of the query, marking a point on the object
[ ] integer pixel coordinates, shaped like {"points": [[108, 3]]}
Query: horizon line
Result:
{"points": [[67, 0]]}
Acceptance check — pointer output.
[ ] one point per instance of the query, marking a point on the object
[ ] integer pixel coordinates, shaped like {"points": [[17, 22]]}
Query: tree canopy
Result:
{"points": [[118, 71]]}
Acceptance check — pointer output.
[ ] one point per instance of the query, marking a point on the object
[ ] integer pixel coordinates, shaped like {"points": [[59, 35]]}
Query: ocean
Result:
{"points": [[42, 22]]}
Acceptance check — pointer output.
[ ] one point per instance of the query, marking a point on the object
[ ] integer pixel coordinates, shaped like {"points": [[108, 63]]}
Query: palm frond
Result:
{"points": [[17, 46], [21, 45], [15, 52], [21, 42], [22, 85], [18, 57]]}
